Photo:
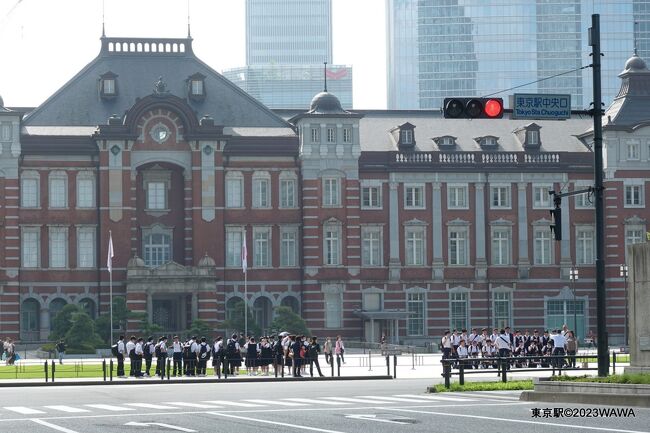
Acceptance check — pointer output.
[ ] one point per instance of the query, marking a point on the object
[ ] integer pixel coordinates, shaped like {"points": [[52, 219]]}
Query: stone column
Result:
{"points": [[638, 300], [150, 307], [436, 233], [481, 261], [195, 306], [45, 323], [394, 264], [522, 225]]}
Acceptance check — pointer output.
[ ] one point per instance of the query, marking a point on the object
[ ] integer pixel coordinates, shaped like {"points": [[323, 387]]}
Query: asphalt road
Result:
{"points": [[329, 407]]}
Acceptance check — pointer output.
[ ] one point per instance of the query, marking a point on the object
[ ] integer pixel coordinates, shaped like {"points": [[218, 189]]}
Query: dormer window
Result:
{"points": [[404, 135], [488, 142], [446, 142], [532, 138], [529, 136], [108, 85], [196, 87]]}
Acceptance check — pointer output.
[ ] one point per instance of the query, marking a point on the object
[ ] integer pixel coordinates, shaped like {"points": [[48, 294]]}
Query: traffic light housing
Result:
{"points": [[473, 108], [556, 227]]}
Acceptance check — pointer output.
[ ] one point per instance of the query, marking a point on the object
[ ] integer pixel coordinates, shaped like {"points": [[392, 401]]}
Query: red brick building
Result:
{"points": [[368, 223]]}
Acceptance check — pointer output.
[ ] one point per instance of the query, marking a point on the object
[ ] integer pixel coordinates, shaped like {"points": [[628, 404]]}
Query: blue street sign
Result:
{"points": [[541, 106]]}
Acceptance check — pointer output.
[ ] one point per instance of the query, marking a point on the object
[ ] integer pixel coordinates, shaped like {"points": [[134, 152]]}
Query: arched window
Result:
{"points": [[55, 306], [263, 312], [291, 302], [30, 319], [156, 245], [88, 306]]}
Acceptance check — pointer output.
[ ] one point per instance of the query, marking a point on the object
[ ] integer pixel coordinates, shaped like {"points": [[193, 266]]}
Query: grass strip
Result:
{"points": [[514, 385], [635, 379], [65, 371]]}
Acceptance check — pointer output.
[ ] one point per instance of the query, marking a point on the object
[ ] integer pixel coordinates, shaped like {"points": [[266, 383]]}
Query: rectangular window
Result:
{"points": [[500, 246], [371, 197], [458, 311], [371, 246], [414, 196], [29, 192], [85, 193], [543, 244], [633, 153], [458, 247], [233, 247], [331, 193], [261, 247], [372, 302], [333, 310], [500, 197], [58, 247], [315, 135], [415, 321], [457, 196], [347, 135], [332, 246], [5, 131], [331, 135], [234, 193], [633, 195], [58, 197], [533, 137], [261, 193], [157, 248], [197, 87], [287, 193], [585, 246], [407, 136], [86, 248], [634, 236], [109, 86], [156, 192], [541, 197], [30, 248], [583, 201], [501, 308], [289, 248], [414, 246]]}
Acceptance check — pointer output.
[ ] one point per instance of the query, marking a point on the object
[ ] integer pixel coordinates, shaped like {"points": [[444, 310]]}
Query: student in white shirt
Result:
{"points": [[218, 353], [177, 357], [130, 350], [462, 353], [139, 353]]}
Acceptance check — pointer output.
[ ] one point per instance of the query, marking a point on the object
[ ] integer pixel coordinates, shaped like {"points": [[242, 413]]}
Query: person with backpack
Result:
{"points": [[234, 355], [161, 356], [189, 356], [130, 350], [203, 353], [139, 353], [119, 350], [217, 356], [177, 355], [148, 350]]}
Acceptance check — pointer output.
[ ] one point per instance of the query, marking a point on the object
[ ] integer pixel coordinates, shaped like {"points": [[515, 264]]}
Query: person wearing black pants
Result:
{"points": [[148, 356], [177, 347], [121, 351], [296, 344], [314, 351], [130, 349]]}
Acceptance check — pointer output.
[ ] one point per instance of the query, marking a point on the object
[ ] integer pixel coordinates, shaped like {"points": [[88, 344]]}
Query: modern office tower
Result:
{"points": [[447, 48], [287, 42]]}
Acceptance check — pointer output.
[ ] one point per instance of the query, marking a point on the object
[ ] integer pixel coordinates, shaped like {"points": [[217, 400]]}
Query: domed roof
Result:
{"points": [[326, 103], [207, 261], [2, 102], [135, 262], [635, 63]]}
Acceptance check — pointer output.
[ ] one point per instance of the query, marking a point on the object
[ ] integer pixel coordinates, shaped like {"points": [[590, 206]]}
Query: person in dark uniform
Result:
{"points": [[130, 350], [203, 353], [234, 355], [313, 352], [177, 348], [296, 345], [148, 355], [251, 357], [162, 356], [218, 353], [278, 354]]}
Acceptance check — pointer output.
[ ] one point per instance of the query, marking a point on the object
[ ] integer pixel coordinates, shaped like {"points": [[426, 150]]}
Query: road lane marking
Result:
{"points": [[109, 407], [232, 403], [283, 424], [160, 424], [68, 409], [279, 403], [392, 399], [303, 400], [53, 426], [499, 397], [151, 406], [23, 410], [545, 424], [194, 405], [356, 400], [374, 418], [436, 397]]}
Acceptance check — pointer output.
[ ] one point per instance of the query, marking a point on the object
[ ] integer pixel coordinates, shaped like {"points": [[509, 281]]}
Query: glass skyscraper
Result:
{"points": [[442, 48], [287, 42]]}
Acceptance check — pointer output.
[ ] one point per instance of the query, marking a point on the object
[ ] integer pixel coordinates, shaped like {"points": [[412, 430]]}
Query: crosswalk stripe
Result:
{"points": [[499, 397], [276, 402], [232, 403], [68, 409], [23, 410], [109, 407], [356, 400], [395, 399], [151, 406], [435, 398], [312, 401], [196, 405]]}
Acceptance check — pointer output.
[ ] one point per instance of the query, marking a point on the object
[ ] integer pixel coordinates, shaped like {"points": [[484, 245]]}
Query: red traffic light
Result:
{"points": [[473, 108]]}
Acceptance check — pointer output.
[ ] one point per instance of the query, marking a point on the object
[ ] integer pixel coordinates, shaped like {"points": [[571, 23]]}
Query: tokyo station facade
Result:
{"points": [[365, 223]]}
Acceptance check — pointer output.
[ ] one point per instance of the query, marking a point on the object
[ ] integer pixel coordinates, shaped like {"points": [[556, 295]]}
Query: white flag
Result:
{"points": [[109, 259], [244, 254]]}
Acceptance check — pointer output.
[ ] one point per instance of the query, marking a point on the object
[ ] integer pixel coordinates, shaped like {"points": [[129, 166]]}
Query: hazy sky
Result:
{"points": [[44, 43]]}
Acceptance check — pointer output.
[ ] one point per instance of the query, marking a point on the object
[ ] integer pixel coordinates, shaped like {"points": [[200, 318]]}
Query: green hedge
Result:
{"points": [[637, 378], [514, 385]]}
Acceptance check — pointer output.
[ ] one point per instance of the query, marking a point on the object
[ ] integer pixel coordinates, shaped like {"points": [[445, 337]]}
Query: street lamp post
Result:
{"points": [[623, 273], [573, 276]]}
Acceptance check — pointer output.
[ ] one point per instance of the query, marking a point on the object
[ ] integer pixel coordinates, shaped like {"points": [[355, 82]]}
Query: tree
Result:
{"points": [[236, 321], [286, 320], [63, 321], [81, 336], [121, 314], [200, 329]]}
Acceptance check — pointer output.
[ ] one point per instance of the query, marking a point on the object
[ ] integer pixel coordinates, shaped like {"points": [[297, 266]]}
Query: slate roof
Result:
{"points": [[78, 102], [630, 107]]}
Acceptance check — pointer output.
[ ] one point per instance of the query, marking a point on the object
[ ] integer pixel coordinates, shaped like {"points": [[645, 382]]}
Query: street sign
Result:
{"points": [[541, 106]]}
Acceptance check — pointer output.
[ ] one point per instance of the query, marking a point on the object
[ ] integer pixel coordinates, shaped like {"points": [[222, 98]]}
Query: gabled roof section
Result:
{"points": [[139, 62]]}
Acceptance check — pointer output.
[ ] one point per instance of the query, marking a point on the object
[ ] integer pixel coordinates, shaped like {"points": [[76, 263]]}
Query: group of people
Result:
{"points": [[482, 349], [9, 354], [191, 357]]}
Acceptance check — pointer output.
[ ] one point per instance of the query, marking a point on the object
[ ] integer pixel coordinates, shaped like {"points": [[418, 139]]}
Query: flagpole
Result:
{"points": [[245, 268], [109, 265]]}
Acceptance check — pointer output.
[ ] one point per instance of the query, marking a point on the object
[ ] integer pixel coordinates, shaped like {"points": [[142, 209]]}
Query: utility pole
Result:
{"points": [[601, 301]]}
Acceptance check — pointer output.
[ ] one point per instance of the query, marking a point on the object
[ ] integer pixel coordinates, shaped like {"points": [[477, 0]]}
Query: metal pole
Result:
{"points": [[601, 301], [575, 313], [245, 286], [626, 329], [110, 287]]}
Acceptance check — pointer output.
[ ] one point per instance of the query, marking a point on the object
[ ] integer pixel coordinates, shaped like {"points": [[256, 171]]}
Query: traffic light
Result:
{"points": [[556, 227], [473, 108]]}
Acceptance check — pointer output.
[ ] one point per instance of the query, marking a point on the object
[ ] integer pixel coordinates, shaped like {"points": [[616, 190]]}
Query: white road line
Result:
{"points": [[53, 426], [24, 410], [195, 405], [232, 403], [276, 402], [283, 424], [545, 424], [484, 395], [356, 400], [151, 406], [436, 397], [68, 409], [392, 399], [108, 407], [315, 401]]}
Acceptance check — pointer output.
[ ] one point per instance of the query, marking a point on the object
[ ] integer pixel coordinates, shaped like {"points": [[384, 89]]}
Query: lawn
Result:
{"points": [[637, 378], [72, 370], [513, 385]]}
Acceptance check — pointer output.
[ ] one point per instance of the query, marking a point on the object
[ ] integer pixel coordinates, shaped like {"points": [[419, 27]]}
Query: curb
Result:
{"points": [[192, 381], [587, 398]]}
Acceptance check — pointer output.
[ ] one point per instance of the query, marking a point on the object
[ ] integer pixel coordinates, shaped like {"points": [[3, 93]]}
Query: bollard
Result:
{"points": [[111, 370], [46, 372], [104, 369], [338, 365], [169, 361], [387, 365], [446, 372], [282, 367], [461, 372], [226, 364], [53, 368], [614, 362], [369, 360], [394, 366], [332, 363], [413, 359], [504, 378]]}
